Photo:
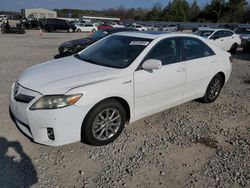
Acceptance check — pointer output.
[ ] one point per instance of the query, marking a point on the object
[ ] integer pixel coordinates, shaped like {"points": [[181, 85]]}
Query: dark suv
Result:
{"points": [[53, 24]]}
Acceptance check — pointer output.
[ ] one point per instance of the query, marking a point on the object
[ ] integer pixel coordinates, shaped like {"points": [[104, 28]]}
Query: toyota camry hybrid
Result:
{"points": [[124, 77]]}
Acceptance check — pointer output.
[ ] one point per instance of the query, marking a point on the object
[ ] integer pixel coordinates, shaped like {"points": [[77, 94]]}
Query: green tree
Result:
{"points": [[235, 10], [194, 11], [155, 12]]}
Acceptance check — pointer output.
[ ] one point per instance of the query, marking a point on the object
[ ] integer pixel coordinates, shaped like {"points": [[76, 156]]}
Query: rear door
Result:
{"points": [[201, 65]]}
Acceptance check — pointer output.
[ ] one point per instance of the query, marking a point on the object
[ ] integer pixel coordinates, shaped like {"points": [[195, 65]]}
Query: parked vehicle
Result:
{"points": [[170, 28], [115, 25], [7, 29], [31, 23], [104, 26], [74, 46], [124, 77], [86, 28], [53, 24], [244, 32], [225, 39], [139, 27]]}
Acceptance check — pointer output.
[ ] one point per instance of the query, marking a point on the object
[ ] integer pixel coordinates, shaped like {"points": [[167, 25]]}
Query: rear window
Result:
{"points": [[194, 48]]}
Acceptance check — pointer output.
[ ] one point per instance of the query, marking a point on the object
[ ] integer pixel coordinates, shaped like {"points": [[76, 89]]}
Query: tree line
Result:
{"points": [[236, 11]]}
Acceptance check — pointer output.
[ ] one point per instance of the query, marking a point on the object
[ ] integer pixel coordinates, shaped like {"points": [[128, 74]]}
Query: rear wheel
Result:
{"points": [[104, 123], [78, 30], [93, 30], [213, 89]]}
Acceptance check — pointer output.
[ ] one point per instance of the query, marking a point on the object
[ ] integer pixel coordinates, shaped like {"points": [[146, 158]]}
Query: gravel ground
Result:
{"points": [[192, 145]]}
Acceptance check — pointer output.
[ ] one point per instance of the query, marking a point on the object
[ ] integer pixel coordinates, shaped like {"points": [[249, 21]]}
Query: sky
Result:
{"points": [[16, 5]]}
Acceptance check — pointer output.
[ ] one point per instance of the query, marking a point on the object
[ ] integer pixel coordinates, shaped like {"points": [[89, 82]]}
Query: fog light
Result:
{"points": [[50, 133]]}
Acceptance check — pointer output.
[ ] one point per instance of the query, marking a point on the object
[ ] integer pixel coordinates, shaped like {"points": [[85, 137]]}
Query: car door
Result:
{"points": [[201, 66], [218, 38], [159, 89]]}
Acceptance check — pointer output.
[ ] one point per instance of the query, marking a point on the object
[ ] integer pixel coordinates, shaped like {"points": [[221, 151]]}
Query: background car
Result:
{"points": [[244, 32], [115, 25], [53, 24], [86, 27], [225, 39], [138, 27], [104, 26], [74, 46], [170, 28]]}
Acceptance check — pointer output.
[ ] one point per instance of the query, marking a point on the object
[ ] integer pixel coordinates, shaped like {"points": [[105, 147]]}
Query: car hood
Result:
{"points": [[72, 43], [59, 76]]}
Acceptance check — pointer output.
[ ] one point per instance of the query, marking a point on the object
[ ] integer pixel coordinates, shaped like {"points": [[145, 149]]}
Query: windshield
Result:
{"points": [[243, 31], [99, 35], [114, 51], [204, 33]]}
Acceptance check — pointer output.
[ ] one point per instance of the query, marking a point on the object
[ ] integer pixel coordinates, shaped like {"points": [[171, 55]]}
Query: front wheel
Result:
{"points": [[104, 123], [93, 30], [213, 89]]}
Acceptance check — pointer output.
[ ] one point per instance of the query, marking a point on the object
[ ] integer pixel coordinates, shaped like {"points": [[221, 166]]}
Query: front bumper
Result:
{"points": [[65, 122]]}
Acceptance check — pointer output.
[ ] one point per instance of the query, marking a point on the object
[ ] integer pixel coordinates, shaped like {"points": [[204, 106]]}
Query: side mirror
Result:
{"points": [[151, 64]]}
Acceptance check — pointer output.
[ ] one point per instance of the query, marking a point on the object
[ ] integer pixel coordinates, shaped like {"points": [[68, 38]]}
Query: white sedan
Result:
{"points": [[86, 28], [225, 39], [139, 27], [122, 78]]}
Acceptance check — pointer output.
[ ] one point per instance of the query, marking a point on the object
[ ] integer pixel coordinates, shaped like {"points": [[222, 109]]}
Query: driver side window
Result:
{"points": [[167, 51]]}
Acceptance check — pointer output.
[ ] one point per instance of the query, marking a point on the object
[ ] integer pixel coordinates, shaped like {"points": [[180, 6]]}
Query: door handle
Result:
{"points": [[222, 40]]}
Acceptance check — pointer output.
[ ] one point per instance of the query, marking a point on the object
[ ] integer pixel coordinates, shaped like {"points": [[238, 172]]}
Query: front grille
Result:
{"points": [[23, 98]]}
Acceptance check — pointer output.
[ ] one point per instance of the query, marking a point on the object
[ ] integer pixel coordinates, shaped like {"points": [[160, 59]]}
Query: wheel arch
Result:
{"points": [[222, 74]]}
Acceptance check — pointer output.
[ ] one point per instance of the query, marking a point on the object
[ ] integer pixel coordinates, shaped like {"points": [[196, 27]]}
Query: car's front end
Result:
{"points": [[45, 123]]}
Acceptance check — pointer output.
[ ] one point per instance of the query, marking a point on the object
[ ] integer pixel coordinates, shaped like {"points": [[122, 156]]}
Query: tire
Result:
{"points": [[3, 30], [70, 30], [78, 30], [93, 30], [233, 48], [213, 89], [98, 129]]}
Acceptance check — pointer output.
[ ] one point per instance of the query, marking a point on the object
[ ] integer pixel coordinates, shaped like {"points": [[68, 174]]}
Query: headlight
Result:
{"points": [[55, 101]]}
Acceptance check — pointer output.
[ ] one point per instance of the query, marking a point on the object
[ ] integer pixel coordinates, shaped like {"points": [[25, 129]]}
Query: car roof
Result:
{"points": [[154, 34]]}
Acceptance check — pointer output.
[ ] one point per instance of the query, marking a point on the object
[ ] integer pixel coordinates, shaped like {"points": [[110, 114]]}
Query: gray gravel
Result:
{"points": [[192, 145]]}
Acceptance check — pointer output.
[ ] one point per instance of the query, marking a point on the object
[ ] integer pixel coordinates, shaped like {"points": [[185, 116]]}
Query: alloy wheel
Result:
{"points": [[106, 124]]}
